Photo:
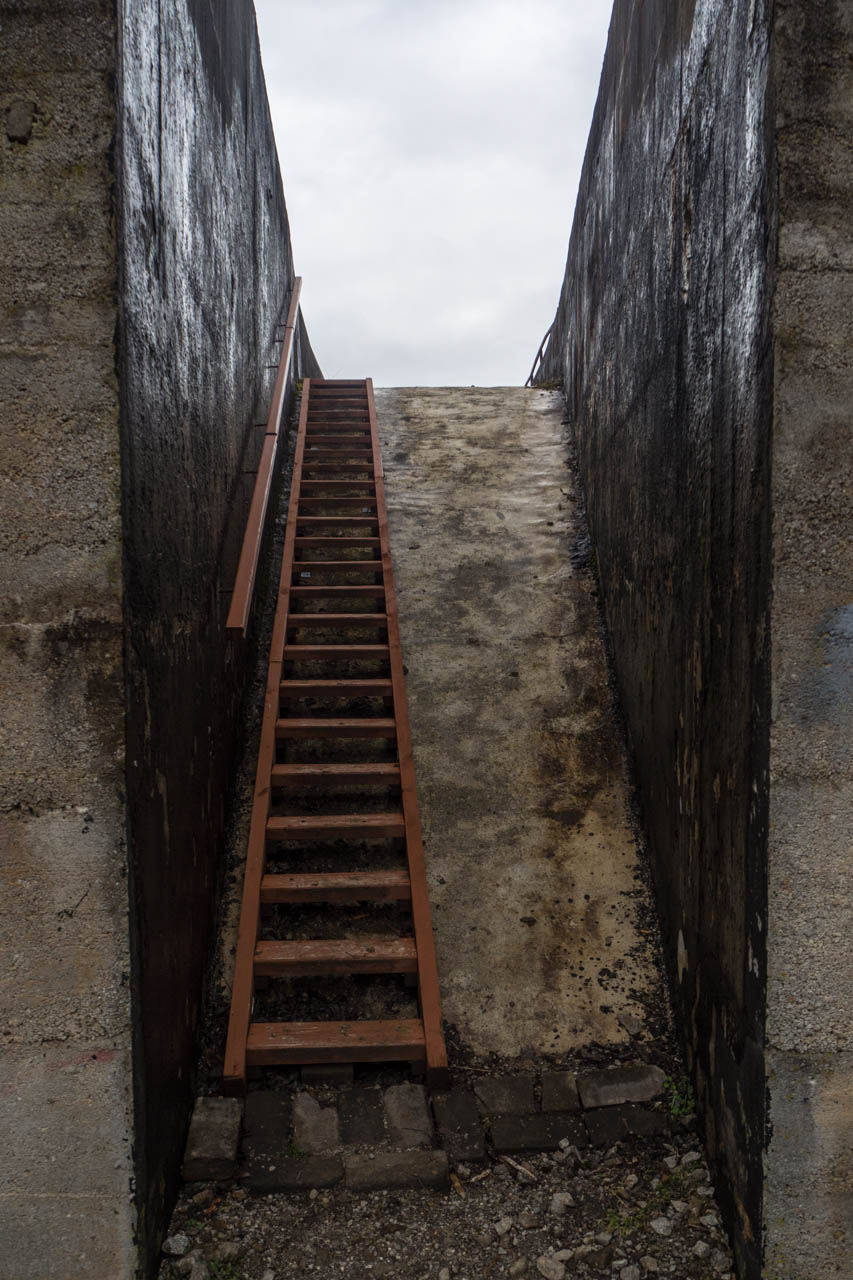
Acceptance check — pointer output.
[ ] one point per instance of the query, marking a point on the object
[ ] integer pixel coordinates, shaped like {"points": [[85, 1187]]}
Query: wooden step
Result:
{"points": [[337, 886], [322, 957], [336, 620], [338, 522], [335, 775], [333, 566], [322, 464], [334, 589], [333, 486], [325, 499], [370, 688], [273, 1044], [300, 652], [338, 540], [338, 727], [338, 826]]}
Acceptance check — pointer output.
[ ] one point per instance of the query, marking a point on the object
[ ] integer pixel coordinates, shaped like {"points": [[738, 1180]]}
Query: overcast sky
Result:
{"points": [[431, 153]]}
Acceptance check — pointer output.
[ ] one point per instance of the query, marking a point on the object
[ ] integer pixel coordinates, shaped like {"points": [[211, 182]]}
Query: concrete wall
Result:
{"points": [[65, 1067], [663, 341], [206, 271], [145, 264], [809, 1198], [703, 337]]}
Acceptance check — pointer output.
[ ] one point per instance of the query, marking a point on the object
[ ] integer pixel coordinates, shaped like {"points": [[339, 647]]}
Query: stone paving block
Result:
{"points": [[645, 1123], [605, 1125], [538, 1132], [213, 1140], [506, 1095], [559, 1091], [362, 1116], [408, 1115], [315, 1128], [389, 1169], [459, 1125], [294, 1173], [615, 1085]]}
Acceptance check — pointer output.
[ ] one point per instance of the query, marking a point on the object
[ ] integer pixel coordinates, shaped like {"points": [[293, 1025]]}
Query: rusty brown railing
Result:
{"points": [[247, 568]]}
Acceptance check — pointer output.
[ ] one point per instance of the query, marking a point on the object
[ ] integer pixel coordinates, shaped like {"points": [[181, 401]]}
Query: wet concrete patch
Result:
{"points": [[518, 753]]}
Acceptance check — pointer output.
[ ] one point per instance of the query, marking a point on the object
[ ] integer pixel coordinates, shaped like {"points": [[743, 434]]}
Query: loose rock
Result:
{"points": [[550, 1268], [176, 1246]]}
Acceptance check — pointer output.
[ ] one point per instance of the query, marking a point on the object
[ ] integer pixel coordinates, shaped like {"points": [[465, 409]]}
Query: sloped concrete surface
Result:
{"points": [[518, 755]]}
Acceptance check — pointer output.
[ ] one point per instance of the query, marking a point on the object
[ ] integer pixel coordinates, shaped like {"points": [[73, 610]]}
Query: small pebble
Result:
{"points": [[678, 1206], [701, 1249], [519, 1267], [670, 1161], [661, 1226], [631, 1273], [502, 1226], [631, 1181], [444, 1273], [690, 1157], [709, 1220], [650, 1264], [176, 1246], [562, 1201], [527, 1220], [550, 1267]]}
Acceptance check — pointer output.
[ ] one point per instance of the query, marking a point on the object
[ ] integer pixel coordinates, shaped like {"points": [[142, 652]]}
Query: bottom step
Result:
{"points": [[290, 1043]]}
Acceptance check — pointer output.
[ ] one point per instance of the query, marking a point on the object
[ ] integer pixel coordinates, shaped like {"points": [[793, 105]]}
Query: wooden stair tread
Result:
{"points": [[330, 774], [294, 651], [335, 726], [337, 886], [355, 688], [336, 619], [336, 826], [321, 957], [292, 1043]]}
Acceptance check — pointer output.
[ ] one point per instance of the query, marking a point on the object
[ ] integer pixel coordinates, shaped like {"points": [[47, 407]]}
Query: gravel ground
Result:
{"points": [[640, 1209]]}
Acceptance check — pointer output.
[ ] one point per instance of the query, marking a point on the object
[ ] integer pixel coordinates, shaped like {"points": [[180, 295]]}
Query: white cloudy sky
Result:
{"points": [[431, 153]]}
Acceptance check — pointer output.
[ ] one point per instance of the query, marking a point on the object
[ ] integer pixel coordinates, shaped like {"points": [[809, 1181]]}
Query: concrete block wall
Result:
{"points": [[703, 339], [145, 262]]}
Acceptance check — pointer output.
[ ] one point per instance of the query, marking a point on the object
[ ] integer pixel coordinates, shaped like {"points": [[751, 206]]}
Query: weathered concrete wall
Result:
{"points": [[206, 272], [663, 343], [65, 1068], [703, 336], [145, 265], [809, 1198]]}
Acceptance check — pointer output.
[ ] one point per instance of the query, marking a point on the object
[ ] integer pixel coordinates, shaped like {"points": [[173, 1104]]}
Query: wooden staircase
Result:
{"points": [[335, 740]]}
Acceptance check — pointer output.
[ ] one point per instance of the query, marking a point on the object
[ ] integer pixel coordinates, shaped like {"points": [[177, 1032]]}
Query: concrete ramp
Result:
{"points": [[519, 757]]}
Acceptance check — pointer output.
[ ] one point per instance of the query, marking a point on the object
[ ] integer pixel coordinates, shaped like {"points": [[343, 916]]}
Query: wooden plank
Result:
{"points": [[336, 887], [335, 775], [333, 589], [375, 687], [336, 620], [337, 727], [242, 991], [334, 540], [337, 826], [247, 568], [428, 988], [323, 957], [301, 652], [364, 566], [338, 522], [291, 1043]]}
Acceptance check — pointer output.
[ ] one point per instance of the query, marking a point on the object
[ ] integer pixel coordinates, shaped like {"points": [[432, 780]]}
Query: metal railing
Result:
{"points": [[540, 355], [247, 568]]}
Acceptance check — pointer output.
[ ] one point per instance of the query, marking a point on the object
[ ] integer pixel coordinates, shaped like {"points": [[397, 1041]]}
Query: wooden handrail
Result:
{"points": [[247, 568]]}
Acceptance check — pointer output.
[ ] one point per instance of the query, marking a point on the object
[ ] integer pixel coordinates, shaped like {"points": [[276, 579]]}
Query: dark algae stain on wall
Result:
{"points": [[663, 342]]}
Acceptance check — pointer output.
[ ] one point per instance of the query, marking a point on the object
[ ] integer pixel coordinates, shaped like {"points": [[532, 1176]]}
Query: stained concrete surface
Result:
{"points": [[518, 755]]}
